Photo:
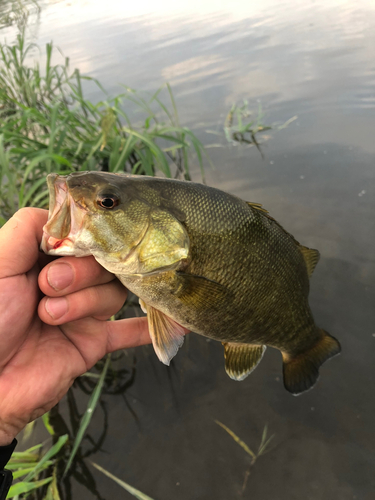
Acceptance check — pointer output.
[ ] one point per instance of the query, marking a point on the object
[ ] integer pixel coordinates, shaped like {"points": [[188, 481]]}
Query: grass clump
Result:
{"points": [[241, 127], [36, 472], [47, 125]]}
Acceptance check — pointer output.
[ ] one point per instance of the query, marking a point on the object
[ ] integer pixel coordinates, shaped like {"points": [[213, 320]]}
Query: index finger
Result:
{"points": [[20, 239]]}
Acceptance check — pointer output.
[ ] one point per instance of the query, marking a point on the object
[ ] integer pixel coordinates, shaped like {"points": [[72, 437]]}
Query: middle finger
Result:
{"points": [[101, 301]]}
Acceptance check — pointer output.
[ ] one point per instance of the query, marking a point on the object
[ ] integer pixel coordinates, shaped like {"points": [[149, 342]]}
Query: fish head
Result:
{"points": [[106, 215]]}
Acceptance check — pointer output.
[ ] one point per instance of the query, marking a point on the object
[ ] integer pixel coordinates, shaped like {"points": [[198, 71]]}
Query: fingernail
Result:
{"points": [[56, 307], [59, 276]]}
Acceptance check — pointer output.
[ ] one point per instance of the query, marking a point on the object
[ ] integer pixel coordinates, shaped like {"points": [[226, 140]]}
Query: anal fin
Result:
{"points": [[167, 336], [242, 359]]}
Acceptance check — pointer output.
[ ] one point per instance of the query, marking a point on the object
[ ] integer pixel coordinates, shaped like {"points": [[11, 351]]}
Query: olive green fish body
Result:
{"points": [[201, 258], [260, 267]]}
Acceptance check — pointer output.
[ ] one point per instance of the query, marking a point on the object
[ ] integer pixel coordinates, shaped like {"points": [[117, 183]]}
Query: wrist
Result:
{"points": [[5, 441], [5, 438], [10, 426]]}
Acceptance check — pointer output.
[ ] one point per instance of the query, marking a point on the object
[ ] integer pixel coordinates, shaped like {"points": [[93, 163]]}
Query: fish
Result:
{"points": [[198, 258]]}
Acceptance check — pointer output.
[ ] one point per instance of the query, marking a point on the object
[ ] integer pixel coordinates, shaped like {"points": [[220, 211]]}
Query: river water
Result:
{"points": [[313, 60]]}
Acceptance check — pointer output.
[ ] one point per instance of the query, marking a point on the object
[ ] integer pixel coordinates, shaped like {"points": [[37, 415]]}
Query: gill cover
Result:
{"points": [[164, 245]]}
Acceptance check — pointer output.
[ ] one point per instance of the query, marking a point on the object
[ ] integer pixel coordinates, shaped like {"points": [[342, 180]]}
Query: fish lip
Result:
{"points": [[62, 205], [56, 246]]}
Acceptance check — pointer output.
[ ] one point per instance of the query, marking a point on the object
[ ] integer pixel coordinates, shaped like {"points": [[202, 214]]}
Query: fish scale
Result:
{"points": [[201, 258]]}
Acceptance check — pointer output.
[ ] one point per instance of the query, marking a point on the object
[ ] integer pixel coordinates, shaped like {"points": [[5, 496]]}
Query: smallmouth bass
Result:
{"points": [[197, 257]]}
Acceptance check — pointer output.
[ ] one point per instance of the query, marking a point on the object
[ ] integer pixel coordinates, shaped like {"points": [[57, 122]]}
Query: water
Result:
{"points": [[313, 60]]}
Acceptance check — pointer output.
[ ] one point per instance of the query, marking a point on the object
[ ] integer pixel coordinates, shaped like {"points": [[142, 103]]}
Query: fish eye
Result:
{"points": [[108, 201]]}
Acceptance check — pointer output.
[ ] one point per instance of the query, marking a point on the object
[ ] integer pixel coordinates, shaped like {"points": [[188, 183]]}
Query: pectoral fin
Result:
{"points": [[143, 306], [242, 359], [199, 292], [167, 336]]}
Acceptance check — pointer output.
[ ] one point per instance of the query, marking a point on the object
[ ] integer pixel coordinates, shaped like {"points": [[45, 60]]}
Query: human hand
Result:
{"points": [[46, 342]]}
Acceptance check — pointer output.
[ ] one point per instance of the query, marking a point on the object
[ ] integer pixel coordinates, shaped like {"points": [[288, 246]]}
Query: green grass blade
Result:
{"points": [[24, 472], [27, 455], [26, 487], [50, 454], [173, 104], [28, 430], [155, 150], [23, 465], [42, 199], [47, 425], [238, 440], [29, 193], [136, 493], [198, 146], [135, 167], [88, 413], [53, 492], [264, 441], [125, 153]]}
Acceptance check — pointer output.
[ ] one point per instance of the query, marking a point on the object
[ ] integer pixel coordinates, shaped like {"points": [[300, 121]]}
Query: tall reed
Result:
{"points": [[48, 125]]}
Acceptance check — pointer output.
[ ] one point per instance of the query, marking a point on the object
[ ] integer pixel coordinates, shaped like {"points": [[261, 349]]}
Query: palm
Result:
{"points": [[42, 357]]}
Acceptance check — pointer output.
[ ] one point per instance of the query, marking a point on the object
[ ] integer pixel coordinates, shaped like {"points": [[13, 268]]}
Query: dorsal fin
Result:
{"points": [[311, 257], [257, 206], [265, 213]]}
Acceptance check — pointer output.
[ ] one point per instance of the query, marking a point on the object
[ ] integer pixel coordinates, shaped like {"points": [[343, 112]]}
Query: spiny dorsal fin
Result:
{"points": [[241, 359], [311, 257], [265, 213], [257, 206], [167, 336]]}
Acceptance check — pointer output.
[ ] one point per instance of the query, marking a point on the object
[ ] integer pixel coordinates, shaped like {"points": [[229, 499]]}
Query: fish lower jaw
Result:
{"points": [[56, 246]]}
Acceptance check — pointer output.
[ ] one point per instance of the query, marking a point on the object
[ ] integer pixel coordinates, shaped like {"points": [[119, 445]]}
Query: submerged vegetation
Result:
{"points": [[241, 128], [252, 455]]}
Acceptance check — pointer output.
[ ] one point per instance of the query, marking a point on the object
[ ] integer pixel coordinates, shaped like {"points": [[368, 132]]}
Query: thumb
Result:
{"points": [[20, 238]]}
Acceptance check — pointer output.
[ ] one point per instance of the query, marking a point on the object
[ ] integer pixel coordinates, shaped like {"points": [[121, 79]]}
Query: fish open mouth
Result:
{"points": [[64, 219]]}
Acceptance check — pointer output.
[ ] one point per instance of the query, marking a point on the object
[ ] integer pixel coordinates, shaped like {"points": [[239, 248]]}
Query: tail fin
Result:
{"points": [[302, 371]]}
